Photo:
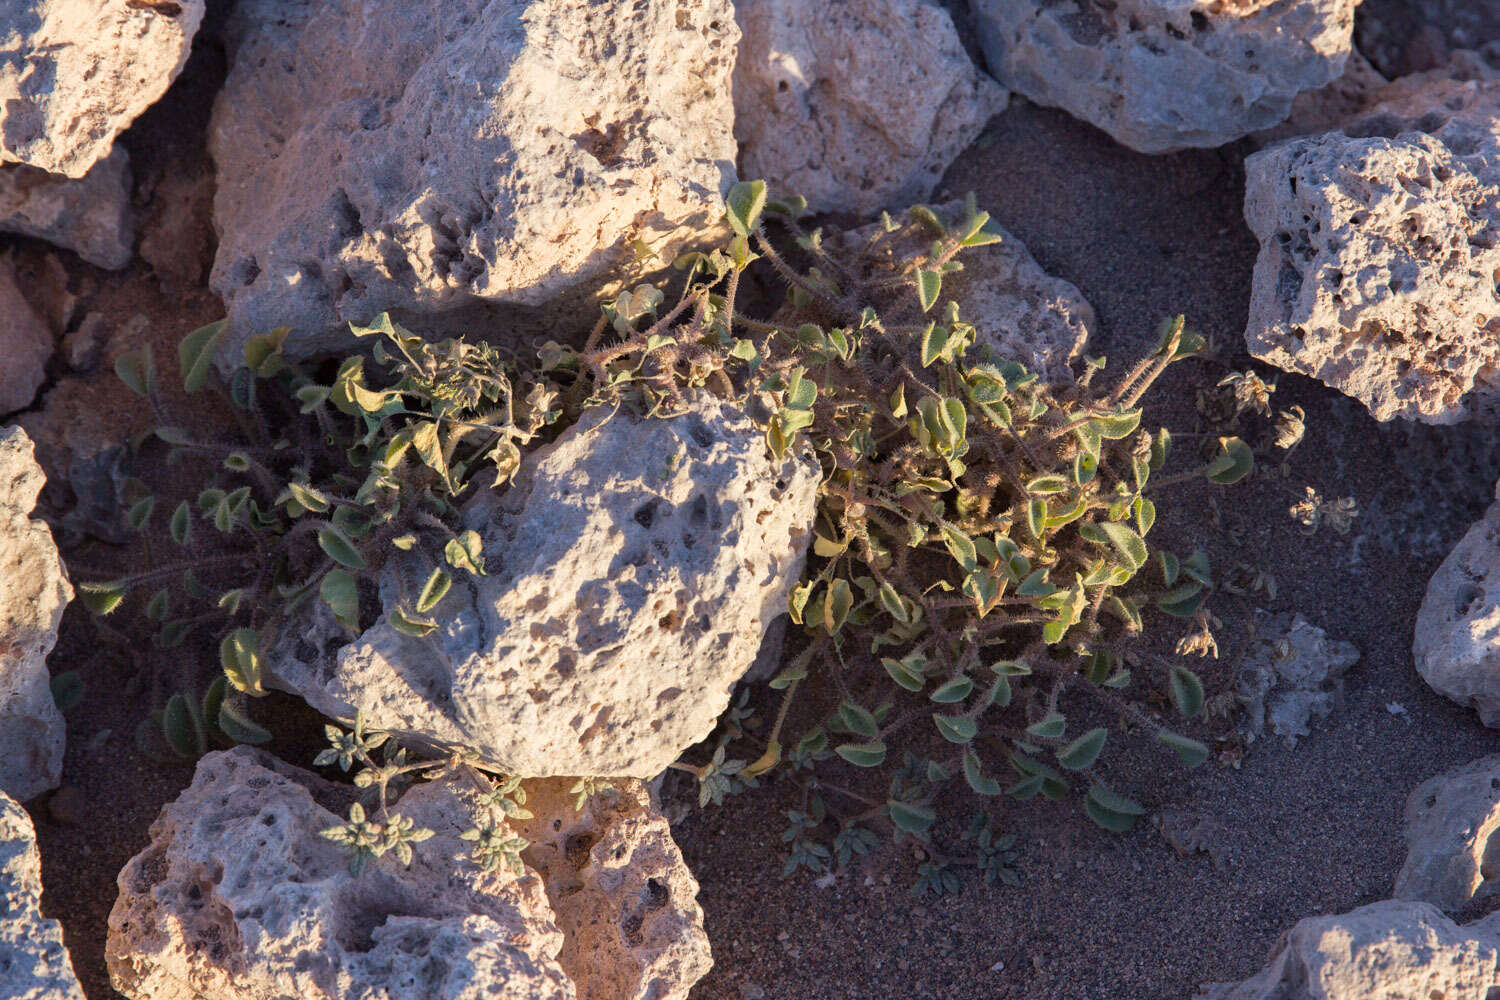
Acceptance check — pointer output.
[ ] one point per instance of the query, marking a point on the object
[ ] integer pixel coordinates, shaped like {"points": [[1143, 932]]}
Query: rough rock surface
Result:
{"points": [[75, 73], [633, 567], [238, 897], [34, 964], [90, 216], [855, 106], [1291, 675], [624, 898], [25, 345], [1379, 248], [423, 157], [1410, 36], [1450, 821], [1392, 950], [1164, 75], [1456, 644], [1021, 313], [1328, 107], [33, 593]]}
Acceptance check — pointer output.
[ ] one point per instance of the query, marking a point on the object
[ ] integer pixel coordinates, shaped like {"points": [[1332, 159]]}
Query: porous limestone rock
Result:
{"points": [[1291, 674], [33, 592], [633, 569], [624, 898], [1020, 312], [1379, 247], [25, 345], [1164, 75], [1330, 106], [238, 897], [90, 216], [75, 73], [1391, 950], [1456, 644], [1450, 821], [511, 158], [34, 964], [855, 106]]}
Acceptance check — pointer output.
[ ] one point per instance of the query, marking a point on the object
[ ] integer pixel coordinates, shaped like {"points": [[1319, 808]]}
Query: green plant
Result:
{"points": [[981, 553]]}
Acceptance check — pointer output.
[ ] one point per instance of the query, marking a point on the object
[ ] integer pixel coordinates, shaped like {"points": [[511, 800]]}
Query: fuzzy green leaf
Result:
{"points": [[337, 546], [1191, 751], [433, 591], [743, 206], [1187, 691], [862, 754], [340, 591], [195, 354], [1084, 751]]}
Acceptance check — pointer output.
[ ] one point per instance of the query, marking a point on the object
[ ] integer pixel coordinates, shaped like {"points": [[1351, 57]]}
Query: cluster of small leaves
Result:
{"points": [[329, 478], [981, 552]]}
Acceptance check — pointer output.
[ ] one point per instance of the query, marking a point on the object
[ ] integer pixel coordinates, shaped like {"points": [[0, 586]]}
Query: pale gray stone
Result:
{"points": [[855, 106], [513, 159], [25, 345], [34, 590], [1456, 643], [1165, 75], [633, 569], [34, 964], [75, 73], [1291, 674], [90, 215], [1450, 822]]}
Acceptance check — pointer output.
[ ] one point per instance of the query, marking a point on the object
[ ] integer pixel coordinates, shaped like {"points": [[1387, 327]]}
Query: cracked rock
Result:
{"points": [[1456, 644], [1292, 674], [1379, 251], [34, 964], [1165, 75], [239, 897], [34, 590], [633, 569], [90, 216], [80, 71], [855, 106], [512, 159], [1450, 823]]}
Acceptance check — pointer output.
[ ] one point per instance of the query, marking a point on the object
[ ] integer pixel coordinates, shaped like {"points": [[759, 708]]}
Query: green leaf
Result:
{"points": [[337, 546], [862, 754], [1082, 752], [743, 206], [955, 690], [929, 287], [836, 609], [1130, 546], [239, 655], [340, 591], [466, 552], [857, 719], [237, 725], [1112, 810], [410, 624], [960, 546], [956, 728], [1117, 425], [1234, 462], [1050, 727], [893, 604], [102, 598], [1145, 515], [137, 369], [911, 817], [67, 690], [1182, 601], [433, 591], [195, 354], [308, 497], [1192, 752], [1187, 691], [156, 607], [974, 775], [181, 525], [182, 728], [140, 513], [902, 673]]}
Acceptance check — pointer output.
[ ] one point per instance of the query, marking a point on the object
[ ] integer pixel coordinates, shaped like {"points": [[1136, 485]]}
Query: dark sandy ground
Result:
{"points": [[1098, 916]]}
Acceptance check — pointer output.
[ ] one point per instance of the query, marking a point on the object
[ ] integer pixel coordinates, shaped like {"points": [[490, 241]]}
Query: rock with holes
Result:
{"points": [[1392, 950], [507, 158], [1450, 821], [1020, 312], [90, 216], [34, 964], [1379, 250], [25, 345], [33, 592], [75, 73], [1164, 75], [1291, 674], [239, 897], [855, 106], [633, 568], [624, 898], [1456, 644]]}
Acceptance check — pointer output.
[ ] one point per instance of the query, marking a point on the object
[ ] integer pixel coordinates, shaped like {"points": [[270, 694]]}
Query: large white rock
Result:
{"points": [[634, 567], [33, 592], [1456, 644], [90, 215], [34, 964], [1164, 75], [1450, 821], [425, 156], [75, 73], [238, 897], [1392, 950], [25, 345], [1379, 247], [1291, 674], [856, 106]]}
